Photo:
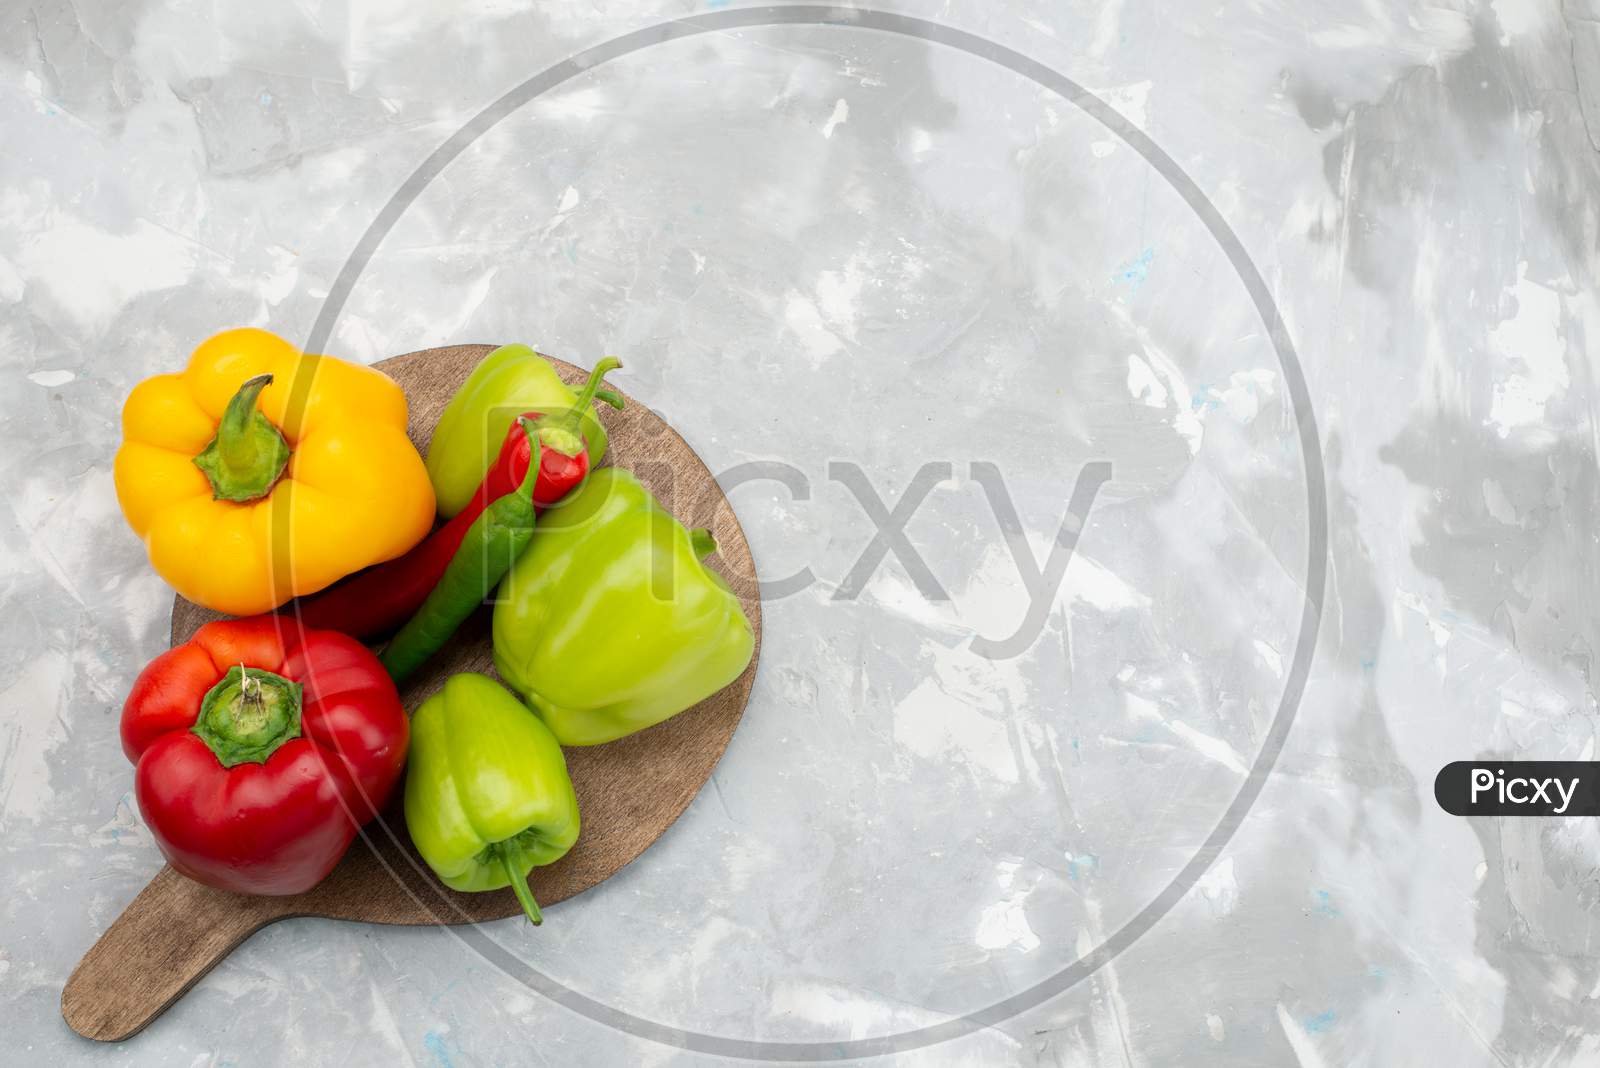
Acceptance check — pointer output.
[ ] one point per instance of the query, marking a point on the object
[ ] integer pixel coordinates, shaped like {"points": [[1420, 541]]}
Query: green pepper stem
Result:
{"points": [[701, 541], [238, 446], [531, 476], [611, 397], [247, 715], [563, 431], [510, 858], [247, 456], [591, 387]]}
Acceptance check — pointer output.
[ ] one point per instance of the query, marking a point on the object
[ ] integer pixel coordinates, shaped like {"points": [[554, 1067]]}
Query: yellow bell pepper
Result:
{"points": [[260, 473]]}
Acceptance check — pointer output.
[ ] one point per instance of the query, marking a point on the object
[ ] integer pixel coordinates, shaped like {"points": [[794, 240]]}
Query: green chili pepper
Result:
{"points": [[488, 797], [491, 545]]}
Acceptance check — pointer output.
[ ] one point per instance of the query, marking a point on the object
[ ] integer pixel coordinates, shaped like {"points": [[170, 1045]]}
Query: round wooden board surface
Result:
{"points": [[629, 791]]}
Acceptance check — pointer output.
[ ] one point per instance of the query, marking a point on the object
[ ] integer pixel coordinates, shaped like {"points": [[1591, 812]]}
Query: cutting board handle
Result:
{"points": [[138, 967]]}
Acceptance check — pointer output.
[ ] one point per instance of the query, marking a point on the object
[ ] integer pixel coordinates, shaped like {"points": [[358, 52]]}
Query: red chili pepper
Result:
{"points": [[260, 749], [374, 602]]}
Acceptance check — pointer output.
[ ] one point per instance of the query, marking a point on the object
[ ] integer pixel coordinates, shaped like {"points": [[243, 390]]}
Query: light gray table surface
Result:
{"points": [[835, 248]]}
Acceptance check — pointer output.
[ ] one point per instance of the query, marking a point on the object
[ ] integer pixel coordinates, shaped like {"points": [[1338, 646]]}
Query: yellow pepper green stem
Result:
{"points": [[247, 457]]}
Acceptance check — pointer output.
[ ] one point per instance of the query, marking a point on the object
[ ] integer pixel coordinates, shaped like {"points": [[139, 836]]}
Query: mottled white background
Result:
{"points": [[824, 244]]}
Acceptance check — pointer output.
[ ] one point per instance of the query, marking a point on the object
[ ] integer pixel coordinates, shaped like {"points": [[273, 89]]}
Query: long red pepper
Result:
{"points": [[374, 602]]}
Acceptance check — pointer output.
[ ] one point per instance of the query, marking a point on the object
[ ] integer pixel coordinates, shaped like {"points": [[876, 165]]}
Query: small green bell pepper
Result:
{"points": [[511, 381], [609, 622], [488, 797]]}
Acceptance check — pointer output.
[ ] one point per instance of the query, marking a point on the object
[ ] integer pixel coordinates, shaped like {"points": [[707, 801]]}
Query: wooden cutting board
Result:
{"points": [[629, 791]]}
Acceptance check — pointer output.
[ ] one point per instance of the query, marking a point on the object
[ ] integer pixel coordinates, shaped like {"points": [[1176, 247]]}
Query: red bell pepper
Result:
{"points": [[374, 602], [261, 749]]}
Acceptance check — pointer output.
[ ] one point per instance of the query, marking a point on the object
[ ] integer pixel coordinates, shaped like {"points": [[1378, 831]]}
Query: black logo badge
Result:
{"points": [[1519, 788]]}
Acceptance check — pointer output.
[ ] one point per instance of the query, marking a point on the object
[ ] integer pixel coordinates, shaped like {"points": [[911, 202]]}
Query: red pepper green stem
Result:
{"points": [[564, 432], [517, 876], [244, 461], [530, 477], [246, 716]]}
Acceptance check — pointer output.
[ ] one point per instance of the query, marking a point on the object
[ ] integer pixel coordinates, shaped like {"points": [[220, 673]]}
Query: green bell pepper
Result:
{"points": [[488, 797], [511, 381], [609, 622]]}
